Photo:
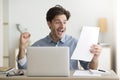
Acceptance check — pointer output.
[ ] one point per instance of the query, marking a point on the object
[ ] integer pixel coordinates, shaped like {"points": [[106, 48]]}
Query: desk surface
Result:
{"points": [[111, 76]]}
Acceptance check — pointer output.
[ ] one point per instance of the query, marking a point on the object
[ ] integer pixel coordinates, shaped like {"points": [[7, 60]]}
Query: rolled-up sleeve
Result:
{"points": [[22, 63], [84, 64]]}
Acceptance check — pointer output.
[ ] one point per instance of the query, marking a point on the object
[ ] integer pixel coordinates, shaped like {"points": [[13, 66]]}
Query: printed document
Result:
{"points": [[84, 73], [91, 72], [89, 36]]}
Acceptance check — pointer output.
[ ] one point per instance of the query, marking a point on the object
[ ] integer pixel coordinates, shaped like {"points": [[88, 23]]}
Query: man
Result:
{"points": [[57, 18]]}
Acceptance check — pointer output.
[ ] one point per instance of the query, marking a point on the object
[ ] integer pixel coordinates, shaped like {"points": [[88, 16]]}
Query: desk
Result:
{"points": [[111, 76]]}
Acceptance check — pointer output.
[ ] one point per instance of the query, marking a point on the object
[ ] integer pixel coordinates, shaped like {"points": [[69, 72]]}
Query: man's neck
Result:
{"points": [[55, 39]]}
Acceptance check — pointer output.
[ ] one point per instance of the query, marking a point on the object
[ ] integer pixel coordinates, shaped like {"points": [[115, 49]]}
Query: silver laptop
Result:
{"points": [[48, 61]]}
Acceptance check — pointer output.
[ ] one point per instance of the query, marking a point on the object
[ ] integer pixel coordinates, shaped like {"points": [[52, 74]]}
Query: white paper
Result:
{"points": [[84, 73], [89, 36], [102, 72]]}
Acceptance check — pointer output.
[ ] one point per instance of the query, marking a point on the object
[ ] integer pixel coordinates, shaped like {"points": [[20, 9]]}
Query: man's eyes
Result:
{"points": [[58, 22]]}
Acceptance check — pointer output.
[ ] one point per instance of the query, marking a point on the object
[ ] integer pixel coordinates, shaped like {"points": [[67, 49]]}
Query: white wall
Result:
{"points": [[118, 37], [5, 32], [1, 34], [32, 13]]}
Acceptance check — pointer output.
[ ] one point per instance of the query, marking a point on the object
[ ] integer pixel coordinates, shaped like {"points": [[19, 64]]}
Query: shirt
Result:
{"points": [[66, 41]]}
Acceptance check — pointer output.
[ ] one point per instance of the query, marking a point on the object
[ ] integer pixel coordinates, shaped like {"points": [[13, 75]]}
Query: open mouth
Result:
{"points": [[60, 31]]}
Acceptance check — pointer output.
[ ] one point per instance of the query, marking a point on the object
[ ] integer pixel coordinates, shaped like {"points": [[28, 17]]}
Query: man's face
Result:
{"points": [[58, 26]]}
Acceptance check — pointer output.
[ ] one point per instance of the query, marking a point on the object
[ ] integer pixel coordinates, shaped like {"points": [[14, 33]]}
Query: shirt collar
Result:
{"points": [[51, 40]]}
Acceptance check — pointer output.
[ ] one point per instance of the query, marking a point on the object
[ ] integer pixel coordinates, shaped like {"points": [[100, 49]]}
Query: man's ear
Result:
{"points": [[49, 24]]}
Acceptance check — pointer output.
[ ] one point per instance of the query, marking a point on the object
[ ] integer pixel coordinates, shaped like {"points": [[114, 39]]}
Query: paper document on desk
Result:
{"points": [[99, 71], [84, 73], [89, 36], [4, 70]]}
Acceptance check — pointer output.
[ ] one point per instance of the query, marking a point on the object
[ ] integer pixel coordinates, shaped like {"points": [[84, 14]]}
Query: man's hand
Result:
{"points": [[96, 50], [24, 39]]}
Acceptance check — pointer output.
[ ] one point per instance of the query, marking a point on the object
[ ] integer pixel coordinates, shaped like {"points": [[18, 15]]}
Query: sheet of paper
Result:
{"points": [[84, 73], [88, 37], [99, 71]]}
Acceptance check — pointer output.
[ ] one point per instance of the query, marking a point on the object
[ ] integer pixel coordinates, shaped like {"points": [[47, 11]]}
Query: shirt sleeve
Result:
{"points": [[22, 61], [84, 64]]}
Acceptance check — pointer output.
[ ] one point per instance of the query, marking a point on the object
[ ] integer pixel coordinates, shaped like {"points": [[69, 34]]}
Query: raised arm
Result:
{"points": [[24, 41]]}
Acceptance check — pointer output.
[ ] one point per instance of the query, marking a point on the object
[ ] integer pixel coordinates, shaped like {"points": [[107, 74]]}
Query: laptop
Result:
{"points": [[48, 61]]}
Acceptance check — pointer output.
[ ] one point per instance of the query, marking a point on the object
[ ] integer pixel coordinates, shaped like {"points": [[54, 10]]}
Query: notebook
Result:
{"points": [[48, 61]]}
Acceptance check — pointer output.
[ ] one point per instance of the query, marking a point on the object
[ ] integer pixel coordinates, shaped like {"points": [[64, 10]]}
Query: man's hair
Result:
{"points": [[56, 10]]}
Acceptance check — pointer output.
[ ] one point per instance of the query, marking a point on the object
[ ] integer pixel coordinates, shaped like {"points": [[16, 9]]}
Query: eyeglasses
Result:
{"points": [[15, 73]]}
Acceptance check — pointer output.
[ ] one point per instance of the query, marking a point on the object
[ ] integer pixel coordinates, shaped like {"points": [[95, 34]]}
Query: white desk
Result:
{"points": [[111, 76]]}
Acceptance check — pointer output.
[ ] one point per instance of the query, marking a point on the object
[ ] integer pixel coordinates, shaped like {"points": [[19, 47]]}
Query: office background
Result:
{"points": [[1, 35], [30, 14]]}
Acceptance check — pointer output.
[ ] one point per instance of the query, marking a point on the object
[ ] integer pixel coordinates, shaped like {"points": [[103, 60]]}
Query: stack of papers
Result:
{"points": [[4, 70], [90, 72], [99, 71], [84, 73]]}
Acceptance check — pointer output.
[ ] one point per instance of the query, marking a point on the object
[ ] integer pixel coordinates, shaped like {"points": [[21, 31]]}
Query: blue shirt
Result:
{"points": [[66, 41]]}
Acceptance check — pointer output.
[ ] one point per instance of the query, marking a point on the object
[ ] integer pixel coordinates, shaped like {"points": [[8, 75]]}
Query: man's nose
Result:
{"points": [[61, 24]]}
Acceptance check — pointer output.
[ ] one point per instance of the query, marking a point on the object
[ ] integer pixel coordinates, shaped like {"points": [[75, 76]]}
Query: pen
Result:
{"points": [[101, 70]]}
